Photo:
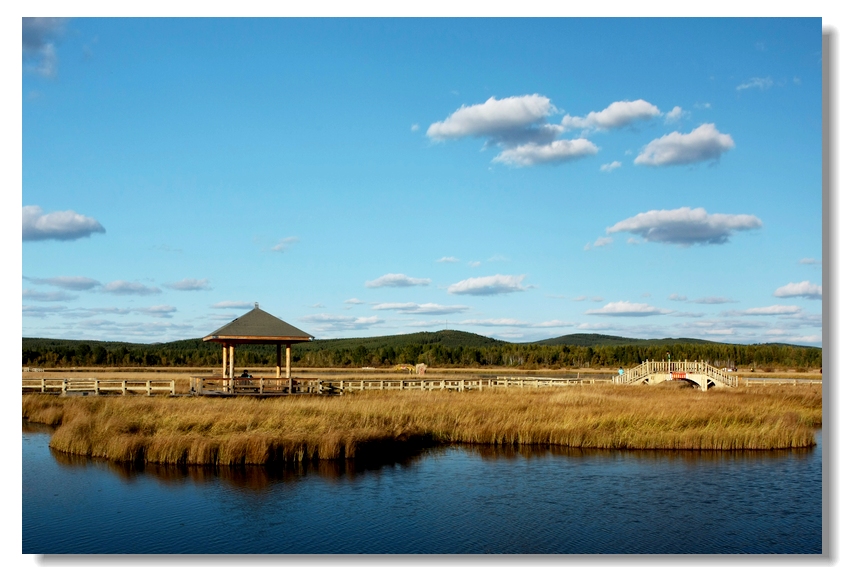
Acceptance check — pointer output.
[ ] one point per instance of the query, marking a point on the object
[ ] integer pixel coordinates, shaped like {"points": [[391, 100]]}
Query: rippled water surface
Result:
{"points": [[446, 500]]}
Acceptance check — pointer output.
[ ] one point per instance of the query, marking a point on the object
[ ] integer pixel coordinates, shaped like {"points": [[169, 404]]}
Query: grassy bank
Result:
{"points": [[254, 431]]}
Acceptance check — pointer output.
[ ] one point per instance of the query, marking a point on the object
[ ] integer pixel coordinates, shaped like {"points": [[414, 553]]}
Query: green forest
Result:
{"points": [[441, 349]]}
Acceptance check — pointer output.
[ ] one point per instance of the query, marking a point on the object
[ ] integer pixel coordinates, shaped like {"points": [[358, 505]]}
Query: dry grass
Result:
{"points": [[258, 431]]}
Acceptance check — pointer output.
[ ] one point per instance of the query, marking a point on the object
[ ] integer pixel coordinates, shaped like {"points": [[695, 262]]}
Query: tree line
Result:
{"points": [[48, 353]]}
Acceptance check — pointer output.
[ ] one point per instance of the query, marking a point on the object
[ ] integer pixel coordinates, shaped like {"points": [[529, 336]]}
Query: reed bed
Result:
{"points": [[237, 431]]}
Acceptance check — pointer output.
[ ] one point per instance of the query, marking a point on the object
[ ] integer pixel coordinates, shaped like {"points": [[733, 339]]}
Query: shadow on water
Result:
{"points": [[491, 452]]}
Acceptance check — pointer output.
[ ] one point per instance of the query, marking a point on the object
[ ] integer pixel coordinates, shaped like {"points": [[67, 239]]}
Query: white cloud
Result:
{"points": [[448, 260], [488, 285], [162, 311], [770, 310], [122, 287], [705, 143], [424, 308], [188, 284], [509, 120], [617, 115], [599, 242], [685, 226], [285, 244], [801, 289], [354, 301], [48, 296], [414, 127], [474, 264], [676, 297], [75, 283], [39, 49], [594, 326], [580, 298], [41, 311], [675, 115], [809, 261], [503, 322], [627, 309], [609, 167], [761, 83], [558, 151], [397, 280], [318, 306], [232, 305], [58, 225], [633, 241], [326, 323], [712, 300]]}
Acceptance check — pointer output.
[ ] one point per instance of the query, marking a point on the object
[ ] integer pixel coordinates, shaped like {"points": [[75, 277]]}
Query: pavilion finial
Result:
{"points": [[256, 305]]}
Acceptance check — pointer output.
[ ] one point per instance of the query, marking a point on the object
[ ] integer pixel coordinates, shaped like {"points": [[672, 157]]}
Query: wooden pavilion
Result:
{"points": [[257, 327]]}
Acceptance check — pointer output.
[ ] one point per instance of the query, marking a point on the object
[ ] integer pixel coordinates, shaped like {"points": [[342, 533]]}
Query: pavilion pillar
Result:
{"points": [[231, 369], [289, 374], [278, 360], [224, 362]]}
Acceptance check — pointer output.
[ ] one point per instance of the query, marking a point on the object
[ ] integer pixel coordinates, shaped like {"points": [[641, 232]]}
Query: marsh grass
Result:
{"points": [[308, 428]]}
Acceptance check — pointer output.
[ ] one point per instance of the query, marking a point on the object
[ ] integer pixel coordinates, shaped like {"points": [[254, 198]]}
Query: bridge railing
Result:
{"points": [[650, 367]]}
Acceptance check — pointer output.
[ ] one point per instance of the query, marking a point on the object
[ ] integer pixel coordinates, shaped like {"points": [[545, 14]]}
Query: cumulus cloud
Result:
{"points": [[488, 285], [675, 115], [627, 309], [162, 311], [510, 120], [354, 301], [122, 287], [285, 244], [617, 115], [448, 260], [58, 225], [770, 310], [39, 51], [48, 296], [326, 322], [397, 280], [599, 242], [75, 283], [559, 151], [508, 322], [712, 300], [801, 289], [609, 167], [686, 226], [188, 284], [705, 143], [232, 305], [424, 308], [761, 83]]}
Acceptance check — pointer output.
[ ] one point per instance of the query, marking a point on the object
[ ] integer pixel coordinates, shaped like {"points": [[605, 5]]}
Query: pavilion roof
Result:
{"points": [[258, 326]]}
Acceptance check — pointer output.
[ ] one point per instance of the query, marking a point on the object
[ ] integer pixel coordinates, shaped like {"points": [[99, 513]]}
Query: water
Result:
{"points": [[444, 500]]}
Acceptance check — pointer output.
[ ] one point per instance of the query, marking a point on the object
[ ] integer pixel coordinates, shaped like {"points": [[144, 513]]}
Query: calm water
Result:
{"points": [[448, 500]]}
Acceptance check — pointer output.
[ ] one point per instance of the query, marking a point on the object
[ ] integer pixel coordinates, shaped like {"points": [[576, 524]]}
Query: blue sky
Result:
{"points": [[516, 178]]}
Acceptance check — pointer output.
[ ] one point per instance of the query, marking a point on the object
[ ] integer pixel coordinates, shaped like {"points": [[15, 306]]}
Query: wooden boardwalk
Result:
{"points": [[93, 386], [261, 386]]}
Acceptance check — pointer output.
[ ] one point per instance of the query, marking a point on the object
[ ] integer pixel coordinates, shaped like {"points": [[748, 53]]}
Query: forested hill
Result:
{"points": [[437, 349], [593, 339]]}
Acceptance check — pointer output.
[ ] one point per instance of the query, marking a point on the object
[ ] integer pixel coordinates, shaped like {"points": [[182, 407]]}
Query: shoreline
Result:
{"points": [[249, 431]]}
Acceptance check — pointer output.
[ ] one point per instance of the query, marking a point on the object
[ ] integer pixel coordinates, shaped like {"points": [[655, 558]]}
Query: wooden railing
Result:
{"points": [[676, 366], [215, 385], [94, 386]]}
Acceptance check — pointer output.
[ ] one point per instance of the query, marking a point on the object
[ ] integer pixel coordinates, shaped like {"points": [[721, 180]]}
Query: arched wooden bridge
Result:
{"points": [[699, 372]]}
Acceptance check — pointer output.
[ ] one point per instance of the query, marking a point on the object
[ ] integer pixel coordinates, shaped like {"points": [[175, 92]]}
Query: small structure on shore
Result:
{"points": [[257, 327]]}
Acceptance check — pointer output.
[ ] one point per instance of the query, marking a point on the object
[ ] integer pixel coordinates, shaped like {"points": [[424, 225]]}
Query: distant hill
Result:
{"points": [[593, 339], [449, 338]]}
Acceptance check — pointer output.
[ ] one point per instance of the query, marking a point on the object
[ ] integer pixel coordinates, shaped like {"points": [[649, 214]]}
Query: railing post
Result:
{"points": [[149, 387], [172, 387], [64, 387]]}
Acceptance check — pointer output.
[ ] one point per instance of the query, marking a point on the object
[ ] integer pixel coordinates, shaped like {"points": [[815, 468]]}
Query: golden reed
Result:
{"points": [[236, 431]]}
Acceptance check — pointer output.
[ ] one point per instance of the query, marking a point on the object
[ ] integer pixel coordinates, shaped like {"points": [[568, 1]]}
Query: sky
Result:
{"points": [[517, 178]]}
